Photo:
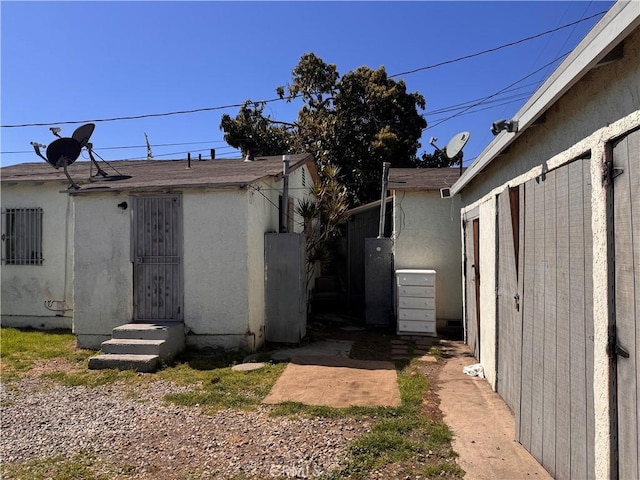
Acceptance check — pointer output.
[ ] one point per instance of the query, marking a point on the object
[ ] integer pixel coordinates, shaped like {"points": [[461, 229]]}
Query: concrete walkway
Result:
{"points": [[482, 423]]}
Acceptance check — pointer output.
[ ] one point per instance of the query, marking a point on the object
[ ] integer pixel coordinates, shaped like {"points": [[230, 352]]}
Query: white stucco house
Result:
{"points": [[426, 232], [156, 241], [551, 247]]}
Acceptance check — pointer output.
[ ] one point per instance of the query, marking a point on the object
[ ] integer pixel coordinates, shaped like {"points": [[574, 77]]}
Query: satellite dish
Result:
{"points": [[66, 150], [457, 143], [63, 149], [83, 133]]}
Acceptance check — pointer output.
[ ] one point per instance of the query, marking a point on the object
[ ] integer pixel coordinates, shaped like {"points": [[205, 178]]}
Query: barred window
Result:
{"points": [[22, 236]]}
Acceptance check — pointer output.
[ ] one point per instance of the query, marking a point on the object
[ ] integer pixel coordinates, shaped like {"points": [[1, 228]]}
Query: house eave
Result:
{"points": [[619, 21], [158, 188]]}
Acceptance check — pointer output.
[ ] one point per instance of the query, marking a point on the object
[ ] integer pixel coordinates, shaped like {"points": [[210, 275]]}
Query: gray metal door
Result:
{"points": [[626, 203], [472, 285], [157, 258], [556, 418], [509, 318]]}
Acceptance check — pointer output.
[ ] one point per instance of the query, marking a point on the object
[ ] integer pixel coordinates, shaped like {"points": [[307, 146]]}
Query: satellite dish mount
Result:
{"points": [[66, 150]]}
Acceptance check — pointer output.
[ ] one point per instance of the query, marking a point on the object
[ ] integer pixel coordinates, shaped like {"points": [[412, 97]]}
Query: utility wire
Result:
{"points": [[494, 49], [237, 105], [498, 92], [136, 117]]}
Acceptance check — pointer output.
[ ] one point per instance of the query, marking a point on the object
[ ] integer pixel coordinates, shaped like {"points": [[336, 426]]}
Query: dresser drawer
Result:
{"points": [[416, 314], [418, 327], [413, 291], [421, 279], [417, 302]]}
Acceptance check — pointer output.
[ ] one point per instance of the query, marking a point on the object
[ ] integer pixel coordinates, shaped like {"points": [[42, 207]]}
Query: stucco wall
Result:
{"points": [[487, 215], [25, 288], [224, 265], [216, 306], [103, 279], [606, 94], [263, 217], [426, 232], [601, 107]]}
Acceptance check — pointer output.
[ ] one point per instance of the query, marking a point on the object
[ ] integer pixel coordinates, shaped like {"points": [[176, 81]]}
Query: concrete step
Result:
{"points": [[140, 346], [148, 331], [139, 363], [171, 332], [132, 346]]}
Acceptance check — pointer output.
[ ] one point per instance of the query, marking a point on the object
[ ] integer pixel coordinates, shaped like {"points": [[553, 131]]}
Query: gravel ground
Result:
{"points": [[135, 432]]}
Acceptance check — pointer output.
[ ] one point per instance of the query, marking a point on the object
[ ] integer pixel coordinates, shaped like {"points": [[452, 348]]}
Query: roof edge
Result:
{"points": [[622, 18]]}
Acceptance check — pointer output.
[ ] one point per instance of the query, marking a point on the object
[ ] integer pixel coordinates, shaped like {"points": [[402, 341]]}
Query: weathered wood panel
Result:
{"points": [[528, 315], [556, 402], [538, 319], [471, 310], [563, 329], [626, 156], [551, 321], [509, 323]]}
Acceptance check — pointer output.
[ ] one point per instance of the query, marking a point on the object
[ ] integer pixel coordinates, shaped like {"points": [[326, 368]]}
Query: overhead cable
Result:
{"points": [[237, 105]]}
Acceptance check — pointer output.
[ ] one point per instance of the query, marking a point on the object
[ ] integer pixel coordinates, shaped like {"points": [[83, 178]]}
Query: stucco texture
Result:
{"points": [[426, 233]]}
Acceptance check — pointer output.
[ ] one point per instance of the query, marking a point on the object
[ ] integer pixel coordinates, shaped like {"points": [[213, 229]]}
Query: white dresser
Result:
{"points": [[416, 301]]}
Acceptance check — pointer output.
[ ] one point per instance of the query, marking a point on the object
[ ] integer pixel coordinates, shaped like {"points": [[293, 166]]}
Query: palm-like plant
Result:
{"points": [[322, 215]]}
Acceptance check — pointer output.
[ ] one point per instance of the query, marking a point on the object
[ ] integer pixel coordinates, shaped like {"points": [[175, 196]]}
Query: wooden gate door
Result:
{"points": [[157, 258], [556, 418], [472, 288], [626, 238], [509, 317]]}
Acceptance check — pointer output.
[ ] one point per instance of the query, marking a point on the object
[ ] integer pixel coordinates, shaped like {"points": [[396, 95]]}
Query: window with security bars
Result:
{"points": [[22, 236]]}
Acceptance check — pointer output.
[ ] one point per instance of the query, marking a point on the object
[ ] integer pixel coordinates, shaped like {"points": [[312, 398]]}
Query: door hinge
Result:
{"points": [[614, 350], [611, 173]]}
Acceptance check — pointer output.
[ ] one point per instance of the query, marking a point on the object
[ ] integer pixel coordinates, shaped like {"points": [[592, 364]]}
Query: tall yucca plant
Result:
{"points": [[322, 215]]}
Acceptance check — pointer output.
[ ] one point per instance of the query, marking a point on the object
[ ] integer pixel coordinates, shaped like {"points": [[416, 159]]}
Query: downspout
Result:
{"points": [[285, 195], [383, 195]]}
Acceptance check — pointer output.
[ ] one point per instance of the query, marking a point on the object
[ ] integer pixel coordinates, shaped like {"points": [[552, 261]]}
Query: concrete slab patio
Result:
{"points": [[335, 381]]}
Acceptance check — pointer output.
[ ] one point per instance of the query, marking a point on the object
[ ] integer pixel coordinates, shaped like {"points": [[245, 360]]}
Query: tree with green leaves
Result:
{"points": [[355, 122], [438, 159]]}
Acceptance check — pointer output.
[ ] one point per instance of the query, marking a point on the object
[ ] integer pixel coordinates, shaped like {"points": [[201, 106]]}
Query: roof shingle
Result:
{"points": [[144, 174], [422, 178]]}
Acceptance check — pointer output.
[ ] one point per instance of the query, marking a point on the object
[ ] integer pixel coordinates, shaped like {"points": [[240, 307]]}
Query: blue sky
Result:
{"points": [[84, 61]]}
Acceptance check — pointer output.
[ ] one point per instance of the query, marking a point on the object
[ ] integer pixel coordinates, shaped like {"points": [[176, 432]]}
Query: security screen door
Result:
{"points": [[157, 258]]}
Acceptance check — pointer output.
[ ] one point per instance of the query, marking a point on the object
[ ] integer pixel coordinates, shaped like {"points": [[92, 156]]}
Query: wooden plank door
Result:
{"points": [[626, 224], [556, 417], [157, 258], [472, 285], [509, 318]]}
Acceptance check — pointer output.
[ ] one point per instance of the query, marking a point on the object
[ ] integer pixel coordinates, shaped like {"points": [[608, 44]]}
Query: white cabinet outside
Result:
{"points": [[416, 301]]}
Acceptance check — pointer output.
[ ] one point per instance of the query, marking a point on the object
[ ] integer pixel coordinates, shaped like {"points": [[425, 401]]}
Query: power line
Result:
{"points": [[137, 146], [137, 117], [494, 49], [237, 105], [498, 92]]}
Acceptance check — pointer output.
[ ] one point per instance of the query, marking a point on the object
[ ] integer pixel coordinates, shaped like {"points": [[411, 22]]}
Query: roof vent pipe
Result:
{"points": [[249, 157], [285, 194], [383, 203]]}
